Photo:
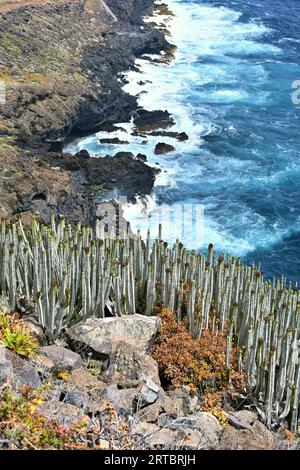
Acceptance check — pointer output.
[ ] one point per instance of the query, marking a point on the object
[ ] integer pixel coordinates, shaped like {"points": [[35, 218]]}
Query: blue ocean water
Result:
{"points": [[230, 89]]}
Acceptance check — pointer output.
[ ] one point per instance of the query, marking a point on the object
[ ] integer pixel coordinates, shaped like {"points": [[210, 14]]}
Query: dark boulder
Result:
{"points": [[124, 172], [180, 136], [108, 127], [114, 141], [17, 371], [151, 120], [162, 148]]}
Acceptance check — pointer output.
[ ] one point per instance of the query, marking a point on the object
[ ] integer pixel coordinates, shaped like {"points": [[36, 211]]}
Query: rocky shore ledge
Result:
{"points": [[61, 63]]}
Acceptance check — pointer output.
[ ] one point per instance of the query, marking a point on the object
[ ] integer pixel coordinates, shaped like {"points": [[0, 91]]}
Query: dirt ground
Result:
{"points": [[7, 5]]}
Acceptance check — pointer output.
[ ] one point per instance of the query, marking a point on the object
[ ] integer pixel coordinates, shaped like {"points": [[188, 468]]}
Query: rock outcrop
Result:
{"points": [[61, 357], [17, 371], [119, 397], [102, 335], [162, 148], [149, 121], [61, 63]]}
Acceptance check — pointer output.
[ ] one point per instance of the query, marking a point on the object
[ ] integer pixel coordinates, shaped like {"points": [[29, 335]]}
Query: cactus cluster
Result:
{"points": [[70, 273]]}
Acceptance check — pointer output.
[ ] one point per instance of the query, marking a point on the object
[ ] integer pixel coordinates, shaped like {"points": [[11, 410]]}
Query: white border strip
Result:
{"points": [[109, 10]]}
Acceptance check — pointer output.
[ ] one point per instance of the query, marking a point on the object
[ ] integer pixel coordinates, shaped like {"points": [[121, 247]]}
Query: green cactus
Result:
{"points": [[70, 273]]}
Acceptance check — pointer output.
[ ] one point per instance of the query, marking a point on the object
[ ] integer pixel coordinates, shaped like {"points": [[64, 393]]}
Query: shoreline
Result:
{"points": [[78, 96], [115, 342]]}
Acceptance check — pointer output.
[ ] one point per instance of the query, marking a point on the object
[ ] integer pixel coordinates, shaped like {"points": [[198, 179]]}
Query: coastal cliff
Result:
{"points": [[61, 63]]}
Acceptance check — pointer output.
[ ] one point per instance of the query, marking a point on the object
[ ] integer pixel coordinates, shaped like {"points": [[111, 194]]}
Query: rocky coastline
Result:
{"points": [[127, 374], [61, 63]]}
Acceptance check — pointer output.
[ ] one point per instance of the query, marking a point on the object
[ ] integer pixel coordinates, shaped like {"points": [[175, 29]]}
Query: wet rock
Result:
{"points": [[56, 145], [102, 335], [62, 357], [131, 174], [40, 115], [108, 127], [162, 148], [83, 154], [180, 136], [151, 120], [114, 141], [17, 370]]}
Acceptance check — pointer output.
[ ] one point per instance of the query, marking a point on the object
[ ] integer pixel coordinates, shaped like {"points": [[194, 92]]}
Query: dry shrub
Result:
{"points": [[22, 427], [197, 362]]}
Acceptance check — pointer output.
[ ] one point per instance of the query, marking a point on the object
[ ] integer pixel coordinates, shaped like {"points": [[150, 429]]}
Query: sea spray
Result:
{"points": [[229, 88]]}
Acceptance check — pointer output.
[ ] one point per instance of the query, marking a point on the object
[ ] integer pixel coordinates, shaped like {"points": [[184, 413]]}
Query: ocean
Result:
{"points": [[230, 88]]}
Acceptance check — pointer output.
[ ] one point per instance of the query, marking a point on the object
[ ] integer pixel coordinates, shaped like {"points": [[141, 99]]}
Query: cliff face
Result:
{"points": [[61, 62]]}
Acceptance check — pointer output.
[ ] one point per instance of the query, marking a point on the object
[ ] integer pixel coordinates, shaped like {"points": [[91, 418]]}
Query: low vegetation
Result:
{"points": [[15, 336], [197, 362], [65, 274], [23, 427]]}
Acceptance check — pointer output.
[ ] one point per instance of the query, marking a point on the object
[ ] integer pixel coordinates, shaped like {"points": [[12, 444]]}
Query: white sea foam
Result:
{"points": [[199, 31], [210, 66], [297, 41]]}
